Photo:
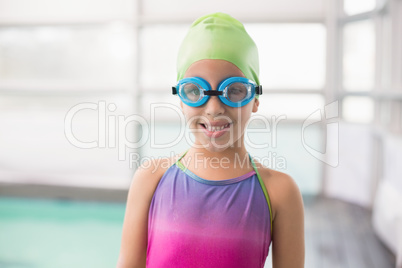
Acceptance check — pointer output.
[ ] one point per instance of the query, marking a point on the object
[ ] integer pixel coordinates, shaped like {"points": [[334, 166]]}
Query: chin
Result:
{"points": [[216, 147]]}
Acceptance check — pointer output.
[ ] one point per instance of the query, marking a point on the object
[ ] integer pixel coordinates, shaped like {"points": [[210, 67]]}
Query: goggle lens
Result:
{"points": [[238, 92], [233, 91], [191, 92]]}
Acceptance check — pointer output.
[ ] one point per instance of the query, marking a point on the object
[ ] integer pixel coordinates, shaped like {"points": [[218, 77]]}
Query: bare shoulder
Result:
{"points": [[288, 218], [148, 175], [142, 188], [282, 189], [276, 180]]}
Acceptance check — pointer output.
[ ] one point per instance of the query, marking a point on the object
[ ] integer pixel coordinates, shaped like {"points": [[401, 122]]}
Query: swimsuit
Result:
{"points": [[195, 222]]}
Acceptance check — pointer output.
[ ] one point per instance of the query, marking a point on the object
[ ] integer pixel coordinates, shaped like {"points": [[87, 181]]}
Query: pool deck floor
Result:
{"points": [[340, 234]]}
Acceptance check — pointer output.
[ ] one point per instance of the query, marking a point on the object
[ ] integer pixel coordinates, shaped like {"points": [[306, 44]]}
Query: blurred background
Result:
{"points": [[85, 96]]}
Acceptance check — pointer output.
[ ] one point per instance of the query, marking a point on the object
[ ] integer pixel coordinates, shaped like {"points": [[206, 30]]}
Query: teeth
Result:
{"points": [[213, 129]]}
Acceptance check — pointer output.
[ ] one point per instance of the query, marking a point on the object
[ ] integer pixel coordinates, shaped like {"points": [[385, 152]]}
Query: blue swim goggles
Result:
{"points": [[233, 91]]}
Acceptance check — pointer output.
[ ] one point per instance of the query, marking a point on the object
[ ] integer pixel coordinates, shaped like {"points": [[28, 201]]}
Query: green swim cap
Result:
{"points": [[219, 36]]}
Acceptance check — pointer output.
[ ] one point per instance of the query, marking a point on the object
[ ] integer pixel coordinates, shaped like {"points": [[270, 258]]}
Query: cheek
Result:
{"points": [[190, 114], [187, 111], [244, 114]]}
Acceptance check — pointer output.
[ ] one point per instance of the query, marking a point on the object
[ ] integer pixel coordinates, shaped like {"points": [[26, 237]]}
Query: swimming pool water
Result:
{"points": [[39, 233]]}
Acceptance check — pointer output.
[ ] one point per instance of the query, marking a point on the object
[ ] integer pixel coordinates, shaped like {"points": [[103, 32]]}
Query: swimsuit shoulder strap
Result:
{"points": [[180, 164], [264, 189]]}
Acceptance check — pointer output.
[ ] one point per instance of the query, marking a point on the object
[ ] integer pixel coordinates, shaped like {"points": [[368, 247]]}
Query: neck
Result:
{"points": [[228, 157]]}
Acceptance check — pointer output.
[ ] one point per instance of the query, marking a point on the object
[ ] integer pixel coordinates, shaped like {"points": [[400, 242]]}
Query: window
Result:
{"points": [[359, 55], [358, 109], [292, 56], [99, 56], [352, 7], [159, 45]]}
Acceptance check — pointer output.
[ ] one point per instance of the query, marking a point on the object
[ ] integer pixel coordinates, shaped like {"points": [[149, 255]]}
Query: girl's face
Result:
{"points": [[215, 125]]}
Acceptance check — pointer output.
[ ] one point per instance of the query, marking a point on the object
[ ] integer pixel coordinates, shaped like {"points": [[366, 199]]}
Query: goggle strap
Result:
{"points": [[258, 90], [174, 91], [213, 93]]}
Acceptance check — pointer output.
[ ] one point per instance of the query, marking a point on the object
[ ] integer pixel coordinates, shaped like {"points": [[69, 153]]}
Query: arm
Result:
{"points": [[288, 223], [135, 227]]}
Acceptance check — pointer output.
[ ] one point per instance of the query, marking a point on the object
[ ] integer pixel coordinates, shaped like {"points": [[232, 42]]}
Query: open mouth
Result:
{"points": [[215, 128]]}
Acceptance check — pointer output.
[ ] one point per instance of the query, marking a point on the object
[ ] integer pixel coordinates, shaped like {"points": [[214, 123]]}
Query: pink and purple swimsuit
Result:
{"points": [[195, 222]]}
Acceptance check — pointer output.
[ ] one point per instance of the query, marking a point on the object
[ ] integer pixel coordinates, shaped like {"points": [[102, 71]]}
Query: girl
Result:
{"points": [[214, 206]]}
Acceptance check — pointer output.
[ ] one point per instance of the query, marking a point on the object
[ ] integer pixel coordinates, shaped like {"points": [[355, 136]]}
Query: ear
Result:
{"points": [[255, 105]]}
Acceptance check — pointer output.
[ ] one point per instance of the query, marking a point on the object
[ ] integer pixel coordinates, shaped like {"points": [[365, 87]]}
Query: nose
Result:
{"points": [[214, 106]]}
